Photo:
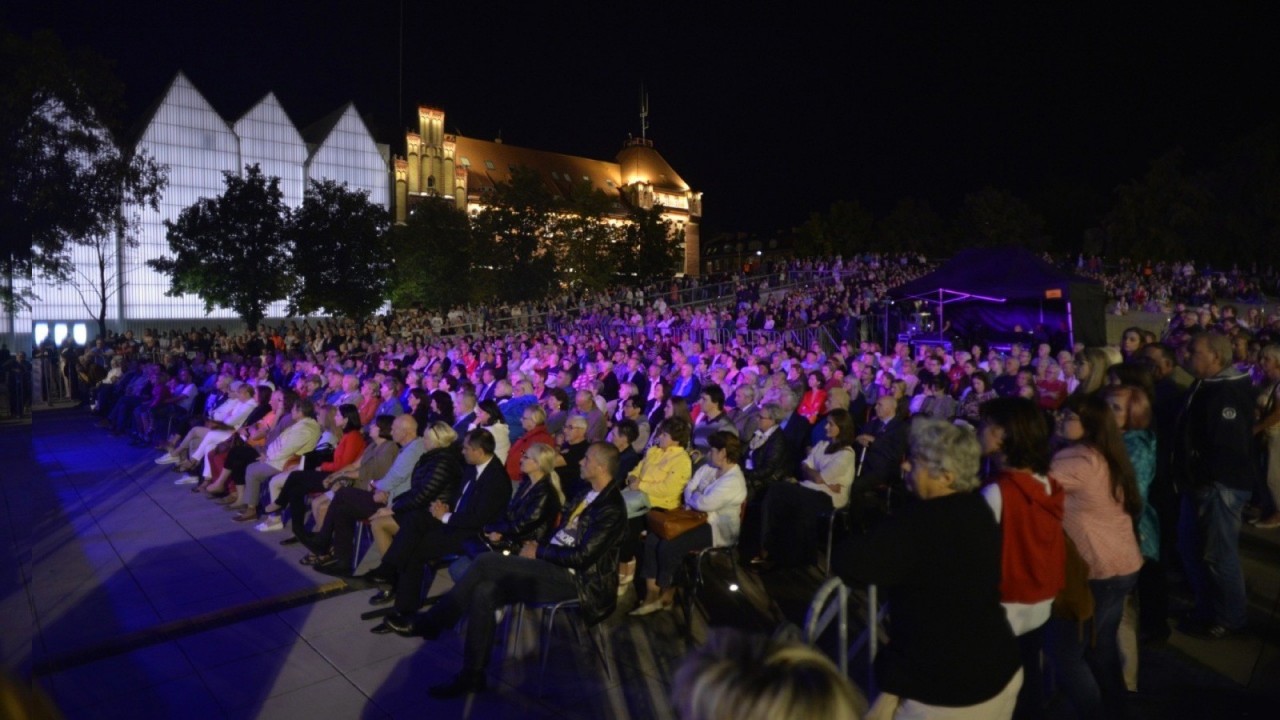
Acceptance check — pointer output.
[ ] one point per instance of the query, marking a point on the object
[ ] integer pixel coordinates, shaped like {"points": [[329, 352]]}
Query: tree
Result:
{"points": [[514, 260], [648, 249], [1163, 215], [63, 181], [341, 254], [433, 252], [912, 226], [845, 228], [586, 246], [992, 218], [232, 251]]}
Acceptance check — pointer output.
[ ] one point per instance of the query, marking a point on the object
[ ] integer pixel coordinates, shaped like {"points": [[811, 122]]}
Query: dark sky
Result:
{"points": [[772, 113]]}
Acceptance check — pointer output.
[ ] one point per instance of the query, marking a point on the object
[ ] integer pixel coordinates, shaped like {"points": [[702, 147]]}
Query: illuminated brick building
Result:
{"points": [[465, 169]]}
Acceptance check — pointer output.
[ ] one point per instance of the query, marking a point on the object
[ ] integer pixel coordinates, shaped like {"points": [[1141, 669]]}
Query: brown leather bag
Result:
{"points": [[670, 524], [1075, 600]]}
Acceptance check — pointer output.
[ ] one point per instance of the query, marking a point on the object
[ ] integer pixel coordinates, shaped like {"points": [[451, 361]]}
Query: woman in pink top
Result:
{"points": [[1102, 505]]}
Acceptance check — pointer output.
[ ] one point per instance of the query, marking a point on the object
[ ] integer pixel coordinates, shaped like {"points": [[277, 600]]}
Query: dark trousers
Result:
{"points": [[662, 558], [239, 457], [1153, 601], [1091, 676], [349, 506], [1031, 702], [789, 522], [122, 414], [414, 562], [293, 495], [631, 538], [494, 581]]}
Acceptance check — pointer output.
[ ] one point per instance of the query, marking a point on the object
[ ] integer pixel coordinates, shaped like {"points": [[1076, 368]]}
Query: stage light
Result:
{"points": [[733, 587]]}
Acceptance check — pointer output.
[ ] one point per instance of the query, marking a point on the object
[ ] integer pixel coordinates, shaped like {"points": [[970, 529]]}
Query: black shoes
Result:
{"points": [[380, 575], [467, 682], [335, 568], [382, 597]]}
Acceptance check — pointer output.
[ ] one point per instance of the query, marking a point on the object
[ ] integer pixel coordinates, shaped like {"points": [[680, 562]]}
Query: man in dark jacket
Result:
{"points": [[1216, 478], [486, 490], [580, 562], [767, 462]]}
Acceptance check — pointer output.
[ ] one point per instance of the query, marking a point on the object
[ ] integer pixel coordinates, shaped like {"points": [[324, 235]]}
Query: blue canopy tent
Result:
{"points": [[986, 293]]}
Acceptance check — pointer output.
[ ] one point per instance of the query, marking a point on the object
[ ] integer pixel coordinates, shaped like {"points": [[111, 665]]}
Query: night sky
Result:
{"points": [[772, 113]]}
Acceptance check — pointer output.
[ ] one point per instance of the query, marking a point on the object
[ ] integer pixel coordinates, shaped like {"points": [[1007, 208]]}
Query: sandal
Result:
{"points": [[316, 559]]}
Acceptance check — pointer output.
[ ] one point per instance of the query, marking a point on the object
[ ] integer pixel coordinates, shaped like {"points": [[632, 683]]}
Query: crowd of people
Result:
{"points": [[539, 464]]}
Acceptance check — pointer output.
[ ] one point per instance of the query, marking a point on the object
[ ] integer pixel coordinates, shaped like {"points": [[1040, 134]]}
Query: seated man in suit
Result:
{"points": [[486, 490], [579, 562], [881, 445]]}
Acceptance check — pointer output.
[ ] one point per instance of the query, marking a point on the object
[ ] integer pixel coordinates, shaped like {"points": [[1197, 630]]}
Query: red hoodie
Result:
{"points": [[1034, 556]]}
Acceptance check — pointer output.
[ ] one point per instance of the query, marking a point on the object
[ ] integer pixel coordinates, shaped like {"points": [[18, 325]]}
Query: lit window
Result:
{"points": [[466, 161], [42, 332], [489, 164], [586, 179], [80, 333], [59, 333]]}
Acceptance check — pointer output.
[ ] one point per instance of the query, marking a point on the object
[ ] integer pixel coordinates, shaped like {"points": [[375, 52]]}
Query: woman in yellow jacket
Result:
{"points": [[661, 476]]}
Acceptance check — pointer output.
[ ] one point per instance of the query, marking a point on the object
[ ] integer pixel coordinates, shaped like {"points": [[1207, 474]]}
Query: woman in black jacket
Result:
{"points": [[435, 477], [533, 508]]}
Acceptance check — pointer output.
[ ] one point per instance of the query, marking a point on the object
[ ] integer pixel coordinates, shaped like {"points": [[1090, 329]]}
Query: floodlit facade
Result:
{"points": [[185, 133], [465, 170]]}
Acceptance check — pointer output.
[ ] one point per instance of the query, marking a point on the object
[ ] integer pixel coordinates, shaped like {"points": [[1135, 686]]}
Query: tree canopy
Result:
{"points": [[231, 251], [341, 254], [63, 179]]}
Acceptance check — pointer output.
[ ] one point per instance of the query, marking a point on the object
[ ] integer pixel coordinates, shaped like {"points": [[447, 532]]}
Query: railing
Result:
{"points": [[676, 299], [831, 604]]}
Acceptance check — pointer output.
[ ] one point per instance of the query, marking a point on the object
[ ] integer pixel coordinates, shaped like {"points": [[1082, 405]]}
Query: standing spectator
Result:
{"points": [[1212, 454], [1102, 505]]}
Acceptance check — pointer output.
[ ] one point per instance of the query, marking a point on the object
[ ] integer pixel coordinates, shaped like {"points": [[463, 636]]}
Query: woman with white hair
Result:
{"points": [[953, 653]]}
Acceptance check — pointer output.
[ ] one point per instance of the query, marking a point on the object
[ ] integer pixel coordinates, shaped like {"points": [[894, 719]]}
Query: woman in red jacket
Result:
{"points": [[534, 422], [1028, 504]]}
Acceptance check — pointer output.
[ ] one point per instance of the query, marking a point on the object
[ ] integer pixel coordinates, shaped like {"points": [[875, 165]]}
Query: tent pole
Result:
{"points": [[1071, 328]]}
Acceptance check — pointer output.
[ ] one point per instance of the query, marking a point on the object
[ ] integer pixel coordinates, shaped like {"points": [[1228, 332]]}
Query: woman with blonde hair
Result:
{"points": [[1091, 366]]}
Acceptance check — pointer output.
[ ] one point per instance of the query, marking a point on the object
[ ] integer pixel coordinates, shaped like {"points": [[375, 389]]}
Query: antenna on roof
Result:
{"points": [[644, 113]]}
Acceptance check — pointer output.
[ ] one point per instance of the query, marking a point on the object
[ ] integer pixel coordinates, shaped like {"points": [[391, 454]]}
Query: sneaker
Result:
{"points": [[271, 524], [1269, 523], [166, 459], [186, 480]]}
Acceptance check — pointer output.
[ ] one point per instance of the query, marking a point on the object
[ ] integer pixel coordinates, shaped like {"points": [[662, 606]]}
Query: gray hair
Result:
{"points": [[749, 389], [944, 447], [773, 411]]}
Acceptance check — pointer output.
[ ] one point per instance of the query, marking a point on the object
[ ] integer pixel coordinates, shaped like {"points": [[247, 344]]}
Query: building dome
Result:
{"points": [[640, 163]]}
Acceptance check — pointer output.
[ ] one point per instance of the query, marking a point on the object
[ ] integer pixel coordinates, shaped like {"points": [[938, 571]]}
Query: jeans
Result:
{"points": [[1092, 677], [1209, 538]]}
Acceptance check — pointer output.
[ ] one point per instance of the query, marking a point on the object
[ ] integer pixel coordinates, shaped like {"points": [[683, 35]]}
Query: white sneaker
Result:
{"points": [[271, 524], [186, 480], [167, 459]]}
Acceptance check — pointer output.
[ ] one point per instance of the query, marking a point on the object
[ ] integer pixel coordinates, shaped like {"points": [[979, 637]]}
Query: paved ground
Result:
{"points": [[122, 595]]}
